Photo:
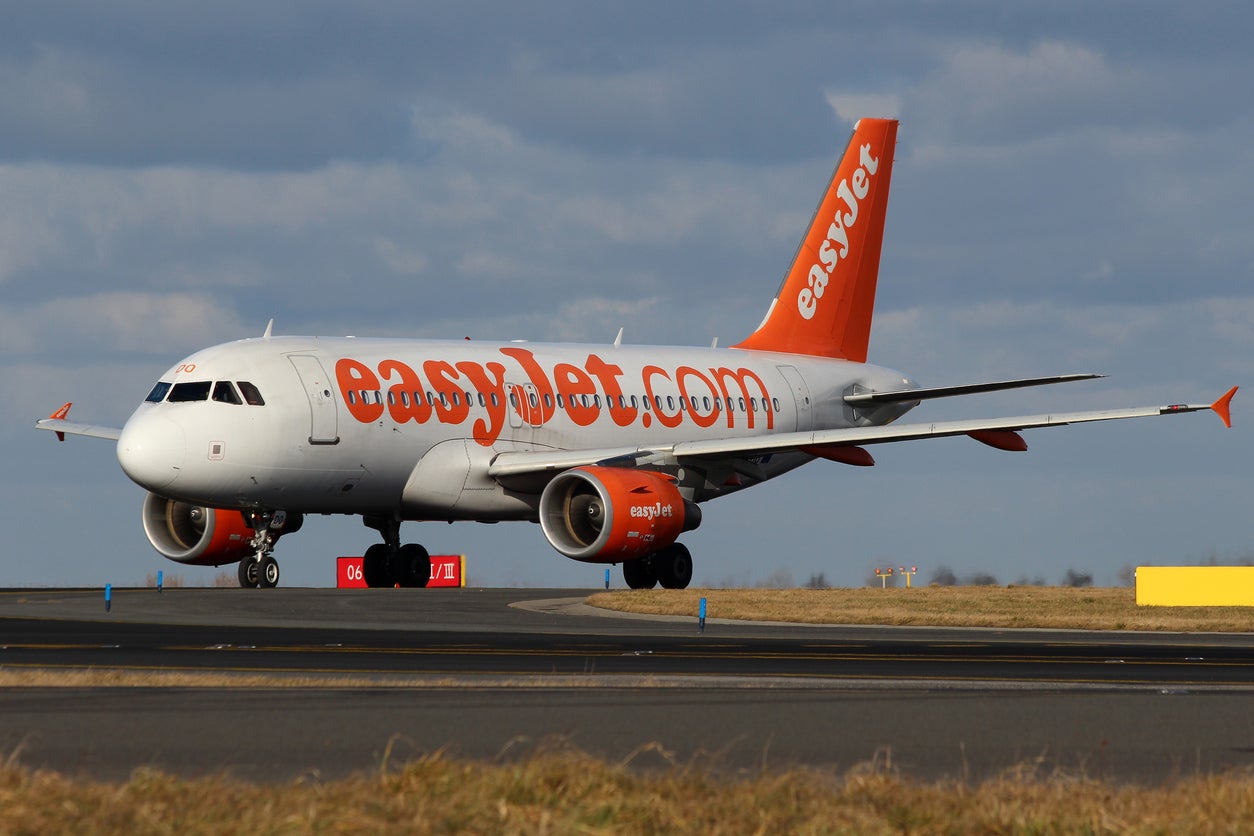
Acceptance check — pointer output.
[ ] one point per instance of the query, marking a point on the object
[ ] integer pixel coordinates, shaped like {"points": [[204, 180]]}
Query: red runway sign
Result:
{"points": [[446, 570]]}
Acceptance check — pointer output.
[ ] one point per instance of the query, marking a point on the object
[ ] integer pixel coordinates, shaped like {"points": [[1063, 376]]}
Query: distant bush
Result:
{"points": [[1077, 579], [982, 579]]}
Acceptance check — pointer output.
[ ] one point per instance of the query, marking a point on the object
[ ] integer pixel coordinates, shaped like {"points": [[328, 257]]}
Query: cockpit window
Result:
{"points": [[195, 391], [224, 392], [157, 395], [251, 396]]}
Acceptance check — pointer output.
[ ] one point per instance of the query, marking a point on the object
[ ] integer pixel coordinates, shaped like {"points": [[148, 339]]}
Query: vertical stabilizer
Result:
{"points": [[825, 303]]}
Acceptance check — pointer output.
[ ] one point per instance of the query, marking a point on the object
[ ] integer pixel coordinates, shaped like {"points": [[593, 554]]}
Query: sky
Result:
{"points": [[1070, 194]]}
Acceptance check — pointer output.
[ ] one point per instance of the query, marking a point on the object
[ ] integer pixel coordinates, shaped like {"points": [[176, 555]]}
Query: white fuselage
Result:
{"points": [[408, 427]]}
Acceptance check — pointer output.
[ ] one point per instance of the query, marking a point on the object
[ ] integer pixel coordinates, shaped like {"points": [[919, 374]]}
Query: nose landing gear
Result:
{"points": [[261, 570]]}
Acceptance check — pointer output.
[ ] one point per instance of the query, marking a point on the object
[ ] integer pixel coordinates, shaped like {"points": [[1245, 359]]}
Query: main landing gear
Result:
{"points": [[261, 570], [391, 564], [671, 567]]}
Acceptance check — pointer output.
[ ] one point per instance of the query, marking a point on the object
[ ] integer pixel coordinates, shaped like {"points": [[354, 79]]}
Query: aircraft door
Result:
{"points": [[524, 410], [323, 421], [800, 394]]}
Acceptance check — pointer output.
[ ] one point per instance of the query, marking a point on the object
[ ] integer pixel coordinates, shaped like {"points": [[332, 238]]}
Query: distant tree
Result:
{"points": [[1024, 580], [944, 576], [982, 579], [818, 581], [1075, 578], [1127, 575]]}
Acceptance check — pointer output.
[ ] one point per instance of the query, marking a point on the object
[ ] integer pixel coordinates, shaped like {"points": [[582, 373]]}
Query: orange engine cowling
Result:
{"points": [[203, 536], [610, 514]]}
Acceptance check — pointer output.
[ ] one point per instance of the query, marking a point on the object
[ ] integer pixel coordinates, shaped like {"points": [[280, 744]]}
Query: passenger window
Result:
{"points": [[224, 392], [186, 392], [391, 398], [404, 398], [548, 401], [482, 400], [352, 396], [775, 403], [496, 401], [157, 395]]}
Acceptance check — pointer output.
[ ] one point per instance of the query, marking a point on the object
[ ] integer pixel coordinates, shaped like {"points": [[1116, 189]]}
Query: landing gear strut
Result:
{"points": [[672, 567], [391, 564], [261, 570]]}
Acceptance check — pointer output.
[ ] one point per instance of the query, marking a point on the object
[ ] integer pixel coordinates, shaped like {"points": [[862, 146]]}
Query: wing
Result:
{"points": [[997, 432], [57, 423]]}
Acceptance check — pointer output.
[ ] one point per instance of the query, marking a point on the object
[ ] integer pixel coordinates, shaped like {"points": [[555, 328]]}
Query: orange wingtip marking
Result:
{"points": [[1222, 406], [62, 412]]}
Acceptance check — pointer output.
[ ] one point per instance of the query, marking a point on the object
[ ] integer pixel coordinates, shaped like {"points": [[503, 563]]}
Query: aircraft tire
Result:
{"points": [[374, 566], [639, 573], [268, 573], [674, 567], [413, 565], [249, 573]]}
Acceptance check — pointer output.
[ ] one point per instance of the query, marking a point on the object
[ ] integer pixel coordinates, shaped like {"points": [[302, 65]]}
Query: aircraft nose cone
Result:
{"points": [[151, 450]]}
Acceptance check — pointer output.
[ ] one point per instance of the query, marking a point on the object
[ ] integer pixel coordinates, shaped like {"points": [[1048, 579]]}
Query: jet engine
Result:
{"points": [[610, 514], [203, 536]]}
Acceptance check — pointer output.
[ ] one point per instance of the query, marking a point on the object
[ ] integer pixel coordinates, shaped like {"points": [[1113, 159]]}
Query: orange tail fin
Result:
{"points": [[825, 303]]}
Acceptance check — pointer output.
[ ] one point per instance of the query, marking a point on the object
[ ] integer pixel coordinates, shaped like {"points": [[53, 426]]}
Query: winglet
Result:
{"points": [[60, 415], [1220, 406]]}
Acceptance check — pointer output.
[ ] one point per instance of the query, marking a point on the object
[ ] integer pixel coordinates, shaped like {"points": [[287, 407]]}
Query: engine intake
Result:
{"points": [[609, 514], [203, 536]]}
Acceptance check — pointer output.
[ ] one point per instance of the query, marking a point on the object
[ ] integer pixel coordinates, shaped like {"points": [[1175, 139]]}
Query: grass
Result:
{"points": [[954, 606], [571, 792]]}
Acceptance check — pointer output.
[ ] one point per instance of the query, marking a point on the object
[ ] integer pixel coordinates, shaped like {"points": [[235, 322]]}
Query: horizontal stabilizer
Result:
{"points": [[56, 423]]}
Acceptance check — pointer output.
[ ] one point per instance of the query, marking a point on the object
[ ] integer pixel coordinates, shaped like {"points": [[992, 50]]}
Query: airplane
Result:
{"points": [[611, 448]]}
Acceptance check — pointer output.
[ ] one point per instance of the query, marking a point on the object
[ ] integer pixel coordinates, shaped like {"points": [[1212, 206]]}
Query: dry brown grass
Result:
{"points": [[953, 606], [570, 792]]}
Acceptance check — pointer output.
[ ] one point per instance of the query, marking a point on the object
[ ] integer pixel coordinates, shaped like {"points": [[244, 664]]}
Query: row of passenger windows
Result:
{"points": [[223, 391], [704, 404]]}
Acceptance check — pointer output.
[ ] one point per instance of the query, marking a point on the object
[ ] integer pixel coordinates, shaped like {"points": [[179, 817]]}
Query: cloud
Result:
{"points": [[116, 322], [850, 107]]}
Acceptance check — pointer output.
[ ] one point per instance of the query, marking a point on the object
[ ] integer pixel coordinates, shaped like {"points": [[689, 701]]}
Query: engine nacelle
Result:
{"points": [[611, 514], [203, 536]]}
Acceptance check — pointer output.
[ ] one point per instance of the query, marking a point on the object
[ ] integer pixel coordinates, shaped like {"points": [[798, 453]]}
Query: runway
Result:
{"points": [[497, 673]]}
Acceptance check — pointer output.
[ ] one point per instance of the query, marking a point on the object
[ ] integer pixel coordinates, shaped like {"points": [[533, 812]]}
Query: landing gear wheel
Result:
{"points": [[412, 566], [639, 573], [249, 573], [674, 566], [374, 566], [268, 573]]}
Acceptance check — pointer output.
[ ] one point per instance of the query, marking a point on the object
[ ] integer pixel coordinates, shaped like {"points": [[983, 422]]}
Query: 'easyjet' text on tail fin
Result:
{"points": [[825, 303]]}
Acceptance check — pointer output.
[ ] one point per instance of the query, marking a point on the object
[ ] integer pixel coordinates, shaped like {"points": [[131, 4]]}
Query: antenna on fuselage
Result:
{"points": [[269, 328], [619, 339], [715, 343]]}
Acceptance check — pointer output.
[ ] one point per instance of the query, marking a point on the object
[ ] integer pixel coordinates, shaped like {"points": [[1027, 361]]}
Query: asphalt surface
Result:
{"points": [[388, 675]]}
